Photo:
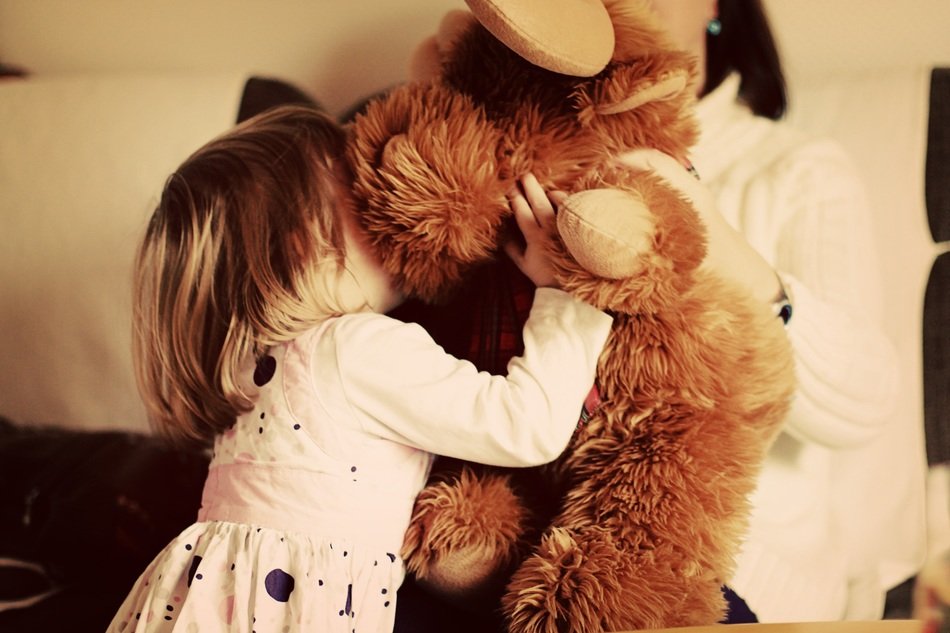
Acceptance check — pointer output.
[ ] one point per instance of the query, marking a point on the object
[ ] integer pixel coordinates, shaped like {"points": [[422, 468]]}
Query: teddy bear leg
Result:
{"points": [[567, 584], [463, 536], [586, 581]]}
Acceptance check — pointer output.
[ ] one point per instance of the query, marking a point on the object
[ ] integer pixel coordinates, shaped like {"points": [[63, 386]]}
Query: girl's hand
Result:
{"points": [[534, 211]]}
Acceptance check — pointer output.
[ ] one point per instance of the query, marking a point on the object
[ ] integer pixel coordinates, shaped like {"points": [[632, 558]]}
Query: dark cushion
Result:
{"points": [[264, 93], [91, 510], [937, 174], [936, 342]]}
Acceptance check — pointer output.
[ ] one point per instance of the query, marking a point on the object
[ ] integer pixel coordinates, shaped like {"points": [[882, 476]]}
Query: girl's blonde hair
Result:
{"points": [[241, 253]]}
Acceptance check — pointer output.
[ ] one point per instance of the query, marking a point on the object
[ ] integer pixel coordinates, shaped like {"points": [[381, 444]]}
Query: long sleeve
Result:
{"points": [[403, 387], [812, 550], [800, 203], [846, 367]]}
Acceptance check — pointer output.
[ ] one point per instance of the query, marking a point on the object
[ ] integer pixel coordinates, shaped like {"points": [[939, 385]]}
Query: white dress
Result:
{"points": [[309, 494]]}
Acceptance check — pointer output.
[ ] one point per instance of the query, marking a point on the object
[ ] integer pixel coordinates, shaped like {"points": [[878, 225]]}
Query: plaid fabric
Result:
{"points": [[499, 312], [483, 322]]}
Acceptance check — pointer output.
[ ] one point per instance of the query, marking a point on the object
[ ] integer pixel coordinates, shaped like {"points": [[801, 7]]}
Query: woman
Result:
{"points": [[787, 218], [788, 215]]}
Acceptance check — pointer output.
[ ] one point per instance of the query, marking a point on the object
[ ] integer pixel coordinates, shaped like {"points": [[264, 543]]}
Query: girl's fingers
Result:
{"points": [[538, 200], [557, 197], [534, 214], [524, 215], [515, 251], [533, 207]]}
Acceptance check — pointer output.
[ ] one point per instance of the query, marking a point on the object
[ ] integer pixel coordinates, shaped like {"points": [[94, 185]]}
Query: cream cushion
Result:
{"points": [[82, 161]]}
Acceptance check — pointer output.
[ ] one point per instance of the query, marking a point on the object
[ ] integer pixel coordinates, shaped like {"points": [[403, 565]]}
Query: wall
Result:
{"points": [[342, 50], [827, 37], [339, 50]]}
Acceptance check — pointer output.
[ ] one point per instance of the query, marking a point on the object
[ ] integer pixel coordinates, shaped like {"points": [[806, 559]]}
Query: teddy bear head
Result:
{"points": [[433, 159], [563, 123]]}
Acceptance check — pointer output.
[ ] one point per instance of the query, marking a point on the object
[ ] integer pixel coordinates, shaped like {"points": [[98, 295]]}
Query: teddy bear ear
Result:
{"points": [[615, 94], [570, 37]]}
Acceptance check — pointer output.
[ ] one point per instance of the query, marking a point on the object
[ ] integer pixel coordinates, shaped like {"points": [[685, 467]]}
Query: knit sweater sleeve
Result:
{"points": [[847, 368]]}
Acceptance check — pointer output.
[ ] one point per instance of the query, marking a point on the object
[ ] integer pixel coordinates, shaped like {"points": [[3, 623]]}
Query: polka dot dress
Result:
{"points": [[225, 577], [300, 525]]}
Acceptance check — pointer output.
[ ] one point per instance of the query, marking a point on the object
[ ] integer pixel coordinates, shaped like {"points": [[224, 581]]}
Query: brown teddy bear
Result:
{"points": [[636, 525]]}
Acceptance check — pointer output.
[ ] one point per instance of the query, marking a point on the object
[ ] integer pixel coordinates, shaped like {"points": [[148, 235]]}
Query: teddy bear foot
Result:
{"points": [[571, 583], [466, 579], [585, 581], [463, 536]]}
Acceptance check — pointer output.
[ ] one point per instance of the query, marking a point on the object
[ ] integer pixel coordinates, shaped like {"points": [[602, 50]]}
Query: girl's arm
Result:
{"points": [[847, 368], [402, 386], [406, 388]]}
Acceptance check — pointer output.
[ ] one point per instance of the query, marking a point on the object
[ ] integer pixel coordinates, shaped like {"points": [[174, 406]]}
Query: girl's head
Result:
{"points": [[245, 249]]}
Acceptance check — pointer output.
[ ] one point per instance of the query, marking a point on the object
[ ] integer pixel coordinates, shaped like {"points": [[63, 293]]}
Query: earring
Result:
{"points": [[714, 27]]}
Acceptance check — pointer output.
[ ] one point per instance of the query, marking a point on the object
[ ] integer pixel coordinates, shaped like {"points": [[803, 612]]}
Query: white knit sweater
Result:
{"points": [[800, 203]]}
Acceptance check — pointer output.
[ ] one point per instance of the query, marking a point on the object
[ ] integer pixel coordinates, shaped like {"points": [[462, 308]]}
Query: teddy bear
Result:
{"points": [[637, 523]]}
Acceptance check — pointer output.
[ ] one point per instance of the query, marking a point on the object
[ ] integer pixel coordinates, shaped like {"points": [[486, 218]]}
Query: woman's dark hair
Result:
{"points": [[746, 45]]}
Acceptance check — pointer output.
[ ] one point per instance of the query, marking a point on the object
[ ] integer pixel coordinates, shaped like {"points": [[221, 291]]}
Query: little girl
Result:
{"points": [[259, 326]]}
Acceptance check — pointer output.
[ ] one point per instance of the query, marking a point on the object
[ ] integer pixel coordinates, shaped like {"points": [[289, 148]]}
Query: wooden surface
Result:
{"points": [[883, 626]]}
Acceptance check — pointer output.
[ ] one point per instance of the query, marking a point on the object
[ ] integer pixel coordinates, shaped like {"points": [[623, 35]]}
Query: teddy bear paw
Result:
{"points": [[466, 577], [606, 230]]}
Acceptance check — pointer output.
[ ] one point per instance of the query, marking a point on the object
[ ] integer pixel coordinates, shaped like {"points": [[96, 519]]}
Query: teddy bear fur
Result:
{"points": [[637, 524]]}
